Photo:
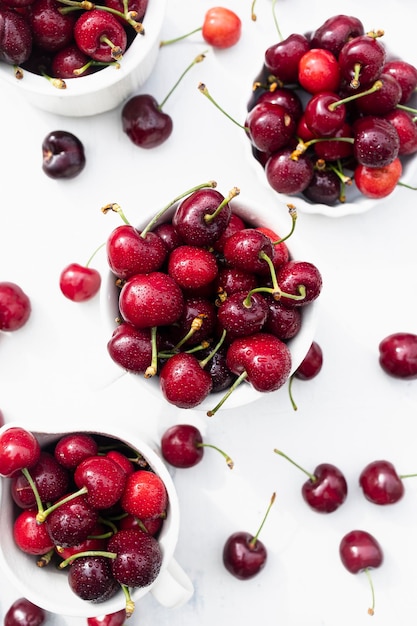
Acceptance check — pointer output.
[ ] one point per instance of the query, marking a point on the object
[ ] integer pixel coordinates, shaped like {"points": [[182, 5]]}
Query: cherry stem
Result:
{"points": [[254, 539], [42, 515], [212, 184], [293, 214], [86, 5], [403, 107], [46, 558], [375, 87], [290, 381], [204, 362], [276, 291], [302, 146], [196, 325], [203, 89], [34, 488], [208, 217], [252, 11], [311, 476], [229, 462], [407, 476], [232, 387], [130, 605], [77, 555], [91, 63], [153, 367], [401, 184], [276, 21], [116, 51], [198, 59], [371, 609], [94, 253], [167, 42]]}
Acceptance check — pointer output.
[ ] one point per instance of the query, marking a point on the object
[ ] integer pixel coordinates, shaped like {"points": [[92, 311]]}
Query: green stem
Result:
{"points": [[204, 362], [229, 461], [34, 488], [375, 87], [208, 217], [371, 609], [198, 59], [167, 42], [311, 476], [276, 21], [254, 539], [203, 89], [78, 555], [153, 367], [293, 213], [237, 382], [290, 381]]}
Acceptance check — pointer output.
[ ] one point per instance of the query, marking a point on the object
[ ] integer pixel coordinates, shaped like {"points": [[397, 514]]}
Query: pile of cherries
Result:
{"points": [[206, 300], [90, 504], [329, 110], [62, 39]]}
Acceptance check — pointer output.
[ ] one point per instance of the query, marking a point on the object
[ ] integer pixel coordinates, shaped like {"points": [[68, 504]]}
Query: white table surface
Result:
{"points": [[57, 367]]}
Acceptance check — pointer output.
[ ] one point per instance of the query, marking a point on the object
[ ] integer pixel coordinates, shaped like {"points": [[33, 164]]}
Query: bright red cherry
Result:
{"points": [[79, 283], [222, 28], [100, 35], [378, 182], [183, 381], [319, 71], [15, 306], [30, 536], [145, 495], [19, 449]]}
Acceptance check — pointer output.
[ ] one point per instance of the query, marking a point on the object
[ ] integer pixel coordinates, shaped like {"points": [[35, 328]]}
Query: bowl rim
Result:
{"points": [[250, 208], [108, 77]]}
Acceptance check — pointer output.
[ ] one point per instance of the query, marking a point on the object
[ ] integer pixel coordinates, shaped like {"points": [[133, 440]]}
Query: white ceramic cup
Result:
{"points": [[48, 587], [103, 90], [274, 216]]}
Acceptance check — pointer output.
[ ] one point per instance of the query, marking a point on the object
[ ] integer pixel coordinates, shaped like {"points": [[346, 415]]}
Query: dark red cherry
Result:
{"points": [[91, 578], [270, 126], [63, 155], [131, 347], [288, 175], [398, 355], [144, 122], [312, 363], [335, 32], [202, 217], [405, 74], [282, 59], [22, 612], [15, 37], [381, 483], [359, 550], [361, 60]]}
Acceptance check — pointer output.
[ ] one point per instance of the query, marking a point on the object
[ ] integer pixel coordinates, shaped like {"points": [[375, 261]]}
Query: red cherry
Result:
{"points": [[73, 448], [19, 449], [312, 363], [221, 28], [319, 71], [30, 536], [138, 557], [282, 59], [130, 251], [79, 283], [326, 489], [398, 355], [144, 122], [182, 446], [118, 618], [359, 552], [192, 267], [103, 480], [381, 483], [100, 35], [24, 613], [378, 182], [244, 555], [183, 381], [131, 348], [145, 495], [16, 37], [15, 307]]}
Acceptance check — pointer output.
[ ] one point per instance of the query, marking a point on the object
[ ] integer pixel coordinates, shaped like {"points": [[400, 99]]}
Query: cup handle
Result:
{"points": [[173, 587]]}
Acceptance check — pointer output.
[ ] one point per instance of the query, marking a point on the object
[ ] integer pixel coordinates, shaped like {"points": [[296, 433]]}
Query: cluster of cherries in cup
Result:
{"points": [[62, 39], [205, 299], [331, 108], [86, 502]]}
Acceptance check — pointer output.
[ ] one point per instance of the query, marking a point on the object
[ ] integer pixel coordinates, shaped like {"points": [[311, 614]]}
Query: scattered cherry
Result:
{"points": [[63, 155], [381, 483], [22, 612], [398, 355], [244, 555], [221, 29], [79, 282], [15, 306], [182, 446]]}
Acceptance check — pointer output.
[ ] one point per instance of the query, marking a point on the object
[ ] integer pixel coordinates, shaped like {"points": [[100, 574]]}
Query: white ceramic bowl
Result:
{"points": [[104, 90], [48, 587], [272, 216]]}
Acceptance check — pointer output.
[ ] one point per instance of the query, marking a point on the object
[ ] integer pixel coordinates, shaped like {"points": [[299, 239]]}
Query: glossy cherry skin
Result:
{"points": [[181, 445], [143, 121], [139, 557], [312, 363], [138, 7], [103, 478], [145, 495], [71, 522], [319, 71], [153, 299], [335, 32], [192, 267], [51, 30], [383, 100], [406, 129], [183, 381], [321, 119], [19, 449], [117, 618], [241, 316], [131, 347], [381, 483], [378, 182], [63, 155], [286, 175], [222, 28], [284, 322], [91, 578], [24, 613], [398, 355], [73, 448], [243, 557], [129, 252], [192, 219], [327, 491], [285, 97], [365, 51], [15, 306], [67, 62], [244, 250], [359, 550], [29, 536], [269, 126], [282, 59], [324, 187], [79, 283], [51, 480], [406, 75], [92, 31], [265, 359], [15, 37], [292, 275]]}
